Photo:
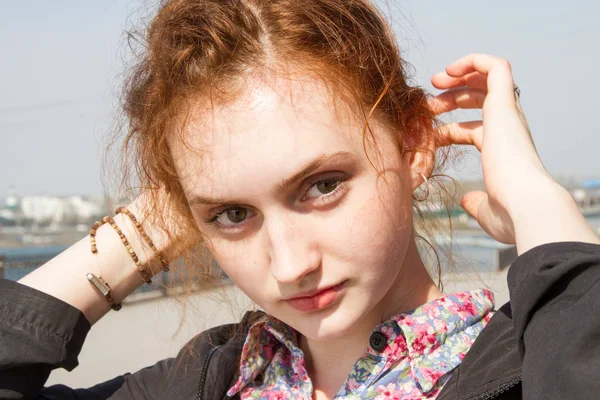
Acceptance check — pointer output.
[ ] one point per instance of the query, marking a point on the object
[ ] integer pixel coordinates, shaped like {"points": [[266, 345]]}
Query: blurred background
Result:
{"points": [[60, 75]]}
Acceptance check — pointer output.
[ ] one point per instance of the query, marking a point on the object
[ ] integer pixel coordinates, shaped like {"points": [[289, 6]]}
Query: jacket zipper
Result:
{"points": [[203, 373], [491, 394]]}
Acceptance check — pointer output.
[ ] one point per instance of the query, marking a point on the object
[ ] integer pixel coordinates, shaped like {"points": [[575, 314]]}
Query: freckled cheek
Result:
{"points": [[376, 231], [244, 264]]}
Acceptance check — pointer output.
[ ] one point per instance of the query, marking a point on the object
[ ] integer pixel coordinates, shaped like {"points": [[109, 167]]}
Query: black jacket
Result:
{"points": [[545, 344]]}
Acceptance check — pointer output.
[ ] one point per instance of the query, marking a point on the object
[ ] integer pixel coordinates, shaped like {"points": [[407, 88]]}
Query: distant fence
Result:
{"points": [[16, 267], [25, 261]]}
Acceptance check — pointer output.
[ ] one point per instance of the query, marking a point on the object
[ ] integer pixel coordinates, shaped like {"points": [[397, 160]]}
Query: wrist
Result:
{"points": [[546, 213], [114, 263], [147, 257], [541, 194], [171, 236], [152, 223]]}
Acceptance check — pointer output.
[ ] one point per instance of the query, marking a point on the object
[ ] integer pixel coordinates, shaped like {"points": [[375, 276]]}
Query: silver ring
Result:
{"points": [[517, 91]]}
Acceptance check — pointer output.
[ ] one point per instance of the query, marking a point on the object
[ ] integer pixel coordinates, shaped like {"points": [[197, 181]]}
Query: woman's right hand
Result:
{"points": [[64, 277], [519, 191]]}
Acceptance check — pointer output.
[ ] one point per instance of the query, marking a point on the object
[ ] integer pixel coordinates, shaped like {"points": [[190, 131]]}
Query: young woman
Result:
{"points": [[285, 137]]}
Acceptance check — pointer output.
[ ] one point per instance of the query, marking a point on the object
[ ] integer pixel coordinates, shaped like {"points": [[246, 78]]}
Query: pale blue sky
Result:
{"points": [[60, 65]]}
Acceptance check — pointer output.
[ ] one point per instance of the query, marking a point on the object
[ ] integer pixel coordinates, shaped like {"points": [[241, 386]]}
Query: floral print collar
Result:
{"points": [[410, 356]]}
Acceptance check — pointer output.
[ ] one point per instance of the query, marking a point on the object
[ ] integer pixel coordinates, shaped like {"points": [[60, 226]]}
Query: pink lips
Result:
{"points": [[317, 301]]}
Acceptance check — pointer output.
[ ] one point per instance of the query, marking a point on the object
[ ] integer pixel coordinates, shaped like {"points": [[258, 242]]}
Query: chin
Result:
{"points": [[330, 323]]}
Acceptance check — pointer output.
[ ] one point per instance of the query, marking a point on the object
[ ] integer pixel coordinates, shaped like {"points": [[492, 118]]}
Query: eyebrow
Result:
{"points": [[287, 183]]}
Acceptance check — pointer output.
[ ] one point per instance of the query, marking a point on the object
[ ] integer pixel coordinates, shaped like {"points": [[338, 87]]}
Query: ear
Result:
{"points": [[419, 154]]}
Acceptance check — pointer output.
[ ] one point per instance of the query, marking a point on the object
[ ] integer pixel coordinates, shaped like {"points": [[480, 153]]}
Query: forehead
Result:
{"points": [[262, 137]]}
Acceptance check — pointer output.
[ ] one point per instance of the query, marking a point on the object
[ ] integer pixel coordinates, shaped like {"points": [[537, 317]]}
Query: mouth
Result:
{"points": [[317, 299]]}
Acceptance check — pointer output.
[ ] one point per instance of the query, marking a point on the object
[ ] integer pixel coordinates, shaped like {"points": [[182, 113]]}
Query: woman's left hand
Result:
{"points": [[509, 159]]}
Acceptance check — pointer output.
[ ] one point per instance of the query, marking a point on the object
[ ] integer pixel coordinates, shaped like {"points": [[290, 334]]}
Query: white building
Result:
{"points": [[51, 210], [58, 209]]}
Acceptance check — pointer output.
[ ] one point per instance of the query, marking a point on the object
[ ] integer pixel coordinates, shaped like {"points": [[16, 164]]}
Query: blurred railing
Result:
{"points": [[504, 257], [16, 267], [167, 285]]}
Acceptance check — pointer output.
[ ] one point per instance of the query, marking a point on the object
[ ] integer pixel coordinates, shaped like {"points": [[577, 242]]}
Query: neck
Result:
{"points": [[330, 361]]}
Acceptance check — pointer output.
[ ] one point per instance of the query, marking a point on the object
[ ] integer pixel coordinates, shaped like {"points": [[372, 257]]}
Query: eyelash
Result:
{"points": [[323, 200]]}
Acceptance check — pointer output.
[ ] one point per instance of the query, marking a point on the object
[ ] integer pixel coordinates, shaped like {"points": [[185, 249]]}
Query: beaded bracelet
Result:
{"points": [[134, 256], [142, 231], [104, 288]]}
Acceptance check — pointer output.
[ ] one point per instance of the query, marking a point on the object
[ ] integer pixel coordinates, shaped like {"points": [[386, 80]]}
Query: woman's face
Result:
{"points": [[280, 184]]}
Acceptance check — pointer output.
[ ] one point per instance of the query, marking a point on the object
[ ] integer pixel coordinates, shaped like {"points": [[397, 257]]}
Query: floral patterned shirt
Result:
{"points": [[410, 356]]}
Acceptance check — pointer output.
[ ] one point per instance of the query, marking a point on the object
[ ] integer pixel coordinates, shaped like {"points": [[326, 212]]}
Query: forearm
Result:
{"points": [[64, 277], [546, 213]]}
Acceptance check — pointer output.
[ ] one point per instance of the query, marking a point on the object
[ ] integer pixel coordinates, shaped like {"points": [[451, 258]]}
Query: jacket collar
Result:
{"points": [[492, 365]]}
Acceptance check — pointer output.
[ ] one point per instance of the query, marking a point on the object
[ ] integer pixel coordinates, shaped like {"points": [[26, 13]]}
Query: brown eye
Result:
{"points": [[327, 186], [237, 215], [324, 187], [232, 217]]}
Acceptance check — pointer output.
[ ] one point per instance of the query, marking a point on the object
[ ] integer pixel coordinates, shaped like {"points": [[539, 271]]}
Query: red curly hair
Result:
{"points": [[203, 49]]}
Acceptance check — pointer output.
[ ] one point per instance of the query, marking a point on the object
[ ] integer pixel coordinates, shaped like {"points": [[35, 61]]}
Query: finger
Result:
{"points": [[472, 201], [451, 100], [461, 133], [475, 80], [498, 70]]}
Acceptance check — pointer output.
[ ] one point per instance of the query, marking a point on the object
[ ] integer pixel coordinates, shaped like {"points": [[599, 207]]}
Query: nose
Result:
{"points": [[293, 251]]}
